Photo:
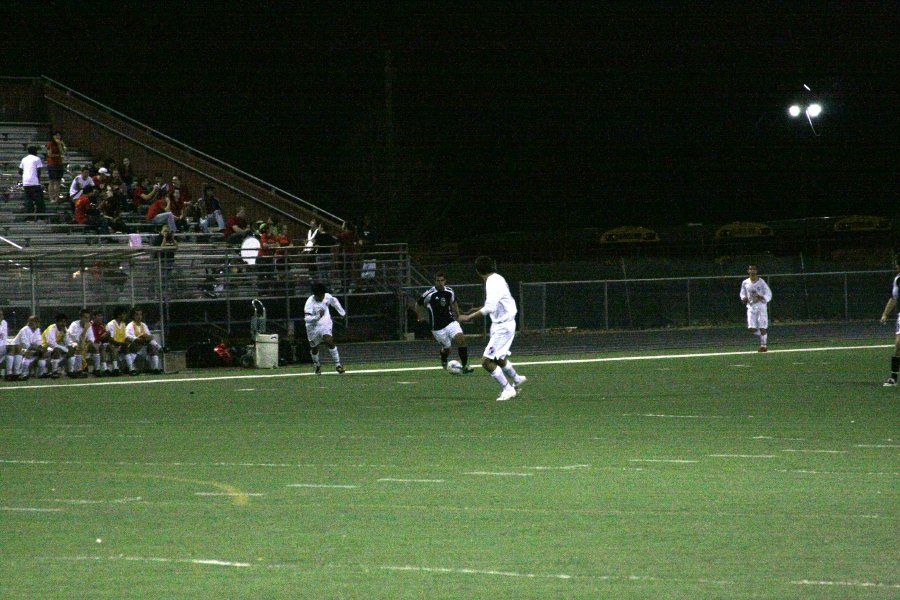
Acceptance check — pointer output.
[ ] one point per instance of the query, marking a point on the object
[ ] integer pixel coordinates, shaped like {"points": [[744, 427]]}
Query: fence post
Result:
{"points": [[522, 305], [33, 288], [544, 307], [846, 300], [83, 285], [688, 290], [606, 304]]}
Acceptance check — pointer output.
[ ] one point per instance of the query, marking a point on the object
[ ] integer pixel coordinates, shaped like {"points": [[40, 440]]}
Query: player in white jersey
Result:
{"points": [[756, 295], [885, 315], [7, 349], [141, 341], [55, 347], [319, 325], [29, 348], [117, 344], [501, 307], [80, 341]]}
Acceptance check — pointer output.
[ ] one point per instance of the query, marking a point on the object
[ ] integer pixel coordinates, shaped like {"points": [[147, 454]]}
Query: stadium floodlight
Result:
{"points": [[794, 111], [814, 110]]}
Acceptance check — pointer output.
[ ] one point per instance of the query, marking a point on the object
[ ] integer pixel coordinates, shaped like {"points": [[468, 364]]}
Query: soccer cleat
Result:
{"points": [[507, 394], [55, 375], [340, 369], [468, 369], [318, 369], [115, 373], [521, 382], [133, 372], [763, 349], [891, 382]]}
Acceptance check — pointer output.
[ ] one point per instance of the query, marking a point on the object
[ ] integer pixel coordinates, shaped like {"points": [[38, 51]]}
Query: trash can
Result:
{"points": [[266, 350]]}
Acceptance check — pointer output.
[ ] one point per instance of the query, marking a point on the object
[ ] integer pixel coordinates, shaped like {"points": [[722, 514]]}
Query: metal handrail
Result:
{"points": [[70, 92], [699, 277]]}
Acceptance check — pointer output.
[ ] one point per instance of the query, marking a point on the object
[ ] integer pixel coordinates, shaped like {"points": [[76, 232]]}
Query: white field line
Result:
{"points": [[664, 460], [876, 446], [396, 480], [778, 439], [143, 381], [498, 473], [815, 472], [257, 494], [29, 509], [157, 559], [88, 501], [323, 485], [674, 416], [816, 451], [473, 572], [742, 455], [866, 584], [562, 468]]}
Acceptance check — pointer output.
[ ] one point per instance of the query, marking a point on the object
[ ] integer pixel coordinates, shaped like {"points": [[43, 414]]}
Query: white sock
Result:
{"points": [[54, 364], [510, 372], [763, 338], [17, 364], [129, 358], [96, 358], [315, 357], [104, 367], [497, 374], [26, 364], [42, 367], [154, 362], [335, 355], [10, 360]]}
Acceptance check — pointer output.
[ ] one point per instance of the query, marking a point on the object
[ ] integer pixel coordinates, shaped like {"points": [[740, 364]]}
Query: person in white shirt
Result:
{"points": [[30, 168], [501, 307], [78, 183], [55, 346], [888, 309], [28, 347], [141, 341], [319, 325], [756, 295], [80, 340]]}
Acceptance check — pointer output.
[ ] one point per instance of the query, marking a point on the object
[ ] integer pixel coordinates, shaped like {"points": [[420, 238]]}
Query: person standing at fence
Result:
{"points": [[501, 307], [440, 302], [319, 325], [30, 168], [885, 315], [756, 295]]}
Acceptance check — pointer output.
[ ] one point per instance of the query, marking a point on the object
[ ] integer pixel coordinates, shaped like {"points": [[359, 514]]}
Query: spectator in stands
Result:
{"points": [[176, 203], [101, 179], [143, 194], [179, 186], [87, 211], [118, 187], [56, 163], [126, 172], [366, 232], [111, 205], [162, 189], [213, 209], [30, 168], [314, 230], [96, 165], [161, 212], [81, 180], [193, 216], [167, 245], [237, 228]]}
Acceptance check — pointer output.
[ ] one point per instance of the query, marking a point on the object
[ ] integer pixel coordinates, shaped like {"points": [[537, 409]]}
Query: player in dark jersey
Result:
{"points": [[440, 308], [885, 315]]}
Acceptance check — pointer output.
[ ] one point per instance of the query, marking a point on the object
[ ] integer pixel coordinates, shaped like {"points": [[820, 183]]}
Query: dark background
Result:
{"points": [[505, 115]]}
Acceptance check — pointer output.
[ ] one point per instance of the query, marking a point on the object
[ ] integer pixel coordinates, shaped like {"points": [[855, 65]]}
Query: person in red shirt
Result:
{"points": [[87, 213], [56, 156], [160, 212], [237, 228], [100, 352]]}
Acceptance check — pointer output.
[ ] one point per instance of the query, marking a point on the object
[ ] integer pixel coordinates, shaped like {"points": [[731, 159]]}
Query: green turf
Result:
{"points": [[581, 508]]}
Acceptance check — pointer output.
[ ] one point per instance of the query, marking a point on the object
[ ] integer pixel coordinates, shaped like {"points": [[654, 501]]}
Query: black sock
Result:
{"points": [[895, 366], [444, 355], [463, 355]]}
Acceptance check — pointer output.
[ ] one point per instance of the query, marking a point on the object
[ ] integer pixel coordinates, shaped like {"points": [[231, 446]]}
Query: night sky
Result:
{"points": [[508, 115]]}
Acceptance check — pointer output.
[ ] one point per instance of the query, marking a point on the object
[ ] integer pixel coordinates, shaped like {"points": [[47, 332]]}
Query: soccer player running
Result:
{"points": [[440, 301], [319, 325], [755, 293], [499, 304], [888, 309]]}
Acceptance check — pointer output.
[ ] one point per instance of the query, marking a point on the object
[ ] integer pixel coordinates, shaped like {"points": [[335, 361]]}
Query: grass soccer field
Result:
{"points": [[713, 475]]}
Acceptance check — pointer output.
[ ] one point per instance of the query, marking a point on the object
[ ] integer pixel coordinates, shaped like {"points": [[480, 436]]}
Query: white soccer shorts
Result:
{"points": [[316, 335], [898, 325], [445, 336], [502, 335], [757, 316]]}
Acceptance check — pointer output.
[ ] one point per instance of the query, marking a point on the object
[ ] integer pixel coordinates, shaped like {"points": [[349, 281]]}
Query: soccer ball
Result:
{"points": [[454, 367]]}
